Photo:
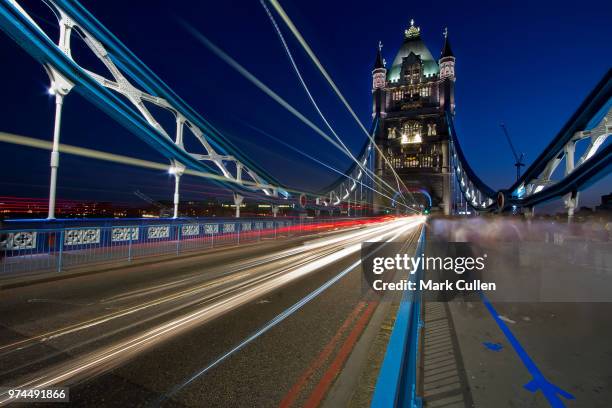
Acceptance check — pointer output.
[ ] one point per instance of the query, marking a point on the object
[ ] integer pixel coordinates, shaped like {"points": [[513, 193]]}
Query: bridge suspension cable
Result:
{"points": [[314, 159], [279, 33], [262, 86], [136, 82], [330, 81]]}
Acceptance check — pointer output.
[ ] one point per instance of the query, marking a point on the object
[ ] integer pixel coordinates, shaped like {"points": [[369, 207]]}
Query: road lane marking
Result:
{"points": [[296, 389], [315, 398]]}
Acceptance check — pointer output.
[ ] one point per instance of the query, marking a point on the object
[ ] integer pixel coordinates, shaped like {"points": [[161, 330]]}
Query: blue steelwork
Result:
{"points": [[590, 113], [396, 384], [37, 44], [37, 246]]}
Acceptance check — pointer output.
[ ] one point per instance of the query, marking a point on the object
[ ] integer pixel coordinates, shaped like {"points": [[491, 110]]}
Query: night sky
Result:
{"points": [[526, 63]]}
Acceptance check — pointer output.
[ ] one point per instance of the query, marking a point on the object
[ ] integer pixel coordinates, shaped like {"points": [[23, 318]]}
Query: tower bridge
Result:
{"points": [[411, 147], [83, 297], [411, 99]]}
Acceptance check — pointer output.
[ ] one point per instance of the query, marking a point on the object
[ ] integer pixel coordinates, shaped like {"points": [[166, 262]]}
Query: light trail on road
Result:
{"points": [[282, 316], [318, 254]]}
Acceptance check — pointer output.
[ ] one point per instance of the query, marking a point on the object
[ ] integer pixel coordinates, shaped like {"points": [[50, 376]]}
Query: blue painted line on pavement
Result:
{"points": [[493, 346], [539, 382]]}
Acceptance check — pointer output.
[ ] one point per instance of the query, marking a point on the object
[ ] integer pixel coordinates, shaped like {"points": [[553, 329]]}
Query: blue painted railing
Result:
{"points": [[74, 243]]}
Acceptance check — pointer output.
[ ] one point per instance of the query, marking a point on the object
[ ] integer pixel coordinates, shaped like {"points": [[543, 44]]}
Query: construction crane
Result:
{"points": [[519, 159]]}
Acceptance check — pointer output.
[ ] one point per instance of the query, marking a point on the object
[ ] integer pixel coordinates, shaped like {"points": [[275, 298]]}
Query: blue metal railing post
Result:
{"points": [[130, 235], [61, 251], [178, 239]]}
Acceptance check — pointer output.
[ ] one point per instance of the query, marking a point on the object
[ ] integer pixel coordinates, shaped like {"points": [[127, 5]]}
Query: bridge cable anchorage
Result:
{"points": [[268, 91], [371, 174], [333, 85], [130, 78]]}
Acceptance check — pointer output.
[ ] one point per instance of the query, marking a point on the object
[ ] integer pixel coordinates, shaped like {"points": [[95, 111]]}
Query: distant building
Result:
{"points": [[411, 98], [606, 203]]}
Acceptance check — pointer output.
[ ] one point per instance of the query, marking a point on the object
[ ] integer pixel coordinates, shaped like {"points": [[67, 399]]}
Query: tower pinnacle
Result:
{"points": [[412, 31], [446, 50], [380, 62]]}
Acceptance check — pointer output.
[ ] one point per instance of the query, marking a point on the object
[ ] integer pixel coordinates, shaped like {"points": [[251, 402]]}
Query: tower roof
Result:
{"points": [[446, 50], [413, 44]]}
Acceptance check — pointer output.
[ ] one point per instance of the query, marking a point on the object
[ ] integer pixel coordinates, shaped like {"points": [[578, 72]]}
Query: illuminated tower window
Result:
{"points": [[411, 132], [431, 129]]}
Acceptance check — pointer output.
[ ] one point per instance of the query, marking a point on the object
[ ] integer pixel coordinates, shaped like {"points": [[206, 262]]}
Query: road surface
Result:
{"points": [[243, 326]]}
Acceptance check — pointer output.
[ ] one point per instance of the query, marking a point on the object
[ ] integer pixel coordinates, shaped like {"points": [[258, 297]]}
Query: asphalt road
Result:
{"points": [[197, 331]]}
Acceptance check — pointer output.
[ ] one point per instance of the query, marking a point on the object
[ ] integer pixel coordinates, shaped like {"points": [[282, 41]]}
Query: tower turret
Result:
{"points": [[379, 81], [447, 75]]}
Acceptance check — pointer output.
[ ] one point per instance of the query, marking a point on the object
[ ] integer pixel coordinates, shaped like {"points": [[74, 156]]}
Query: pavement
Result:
{"points": [[516, 347]]}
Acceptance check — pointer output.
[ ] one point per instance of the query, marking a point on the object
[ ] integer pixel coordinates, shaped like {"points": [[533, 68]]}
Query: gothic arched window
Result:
{"points": [[411, 132]]}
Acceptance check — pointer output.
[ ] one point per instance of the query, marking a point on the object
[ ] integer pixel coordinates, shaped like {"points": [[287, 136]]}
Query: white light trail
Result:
{"points": [[114, 355], [372, 175], [272, 323], [331, 82], [264, 88]]}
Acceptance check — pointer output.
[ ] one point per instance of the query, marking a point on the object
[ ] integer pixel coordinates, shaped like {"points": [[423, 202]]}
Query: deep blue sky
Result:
{"points": [[527, 63]]}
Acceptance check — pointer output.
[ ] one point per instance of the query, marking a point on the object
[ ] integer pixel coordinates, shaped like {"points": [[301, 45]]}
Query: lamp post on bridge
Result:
{"points": [[238, 202], [60, 87], [177, 169]]}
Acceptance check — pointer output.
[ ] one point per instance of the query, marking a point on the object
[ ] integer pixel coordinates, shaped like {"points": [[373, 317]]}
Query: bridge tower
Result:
{"points": [[410, 99]]}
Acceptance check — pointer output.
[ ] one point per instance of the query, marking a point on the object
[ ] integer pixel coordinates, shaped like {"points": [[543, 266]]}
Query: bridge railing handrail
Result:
{"points": [[27, 250]]}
